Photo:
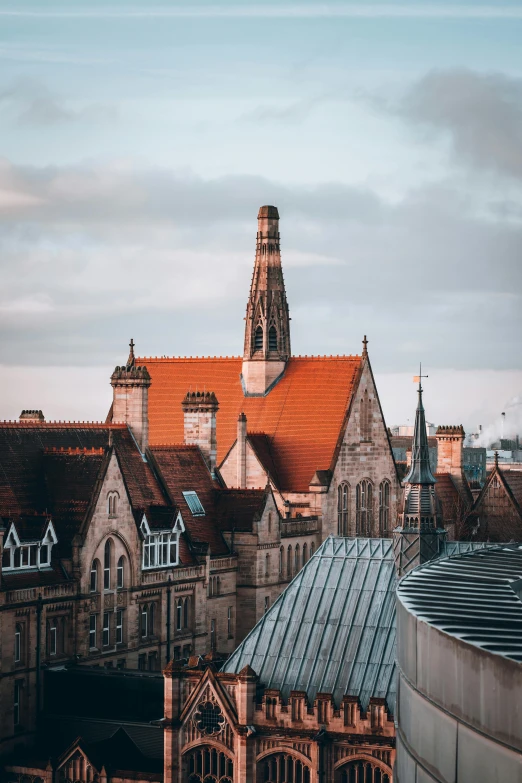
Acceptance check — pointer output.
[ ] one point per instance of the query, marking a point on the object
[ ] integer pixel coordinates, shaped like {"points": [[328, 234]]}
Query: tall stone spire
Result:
{"points": [[420, 533], [267, 330]]}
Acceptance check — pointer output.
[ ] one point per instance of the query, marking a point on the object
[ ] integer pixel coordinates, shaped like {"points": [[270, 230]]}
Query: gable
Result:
{"points": [[302, 415], [208, 714]]}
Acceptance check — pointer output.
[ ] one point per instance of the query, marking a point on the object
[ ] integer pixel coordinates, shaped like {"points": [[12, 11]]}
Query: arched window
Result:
{"points": [[384, 507], [297, 564], [147, 620], [112, 504], [361, 771], [270, 522], [282, 768], [107, 554], [120, 573], [272, 339], [364, 507], [18, 642], [186, 612], [281, 560], [267, 564], [343, 497], [289, 562], [95, 567], [258, 339], [305, 553], [207, 764]]}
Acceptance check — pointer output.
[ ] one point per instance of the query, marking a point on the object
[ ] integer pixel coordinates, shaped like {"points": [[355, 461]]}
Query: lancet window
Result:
{"points": [[343, 499], [361, 771], [282, 768], [364, 506], [384, 507]]}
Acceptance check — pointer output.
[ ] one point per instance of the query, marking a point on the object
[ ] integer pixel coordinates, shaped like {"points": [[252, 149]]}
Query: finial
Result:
{"points": [[130, 360], [496, 458], [417, 378], [365, 346]]}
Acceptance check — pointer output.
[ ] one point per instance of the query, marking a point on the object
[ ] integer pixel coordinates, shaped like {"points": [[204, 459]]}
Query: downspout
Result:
{"points": [[39, 606], [169, 590]]}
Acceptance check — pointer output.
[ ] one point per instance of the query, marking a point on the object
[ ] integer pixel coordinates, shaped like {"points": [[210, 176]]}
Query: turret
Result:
{"points": [[130, 404], [267, 330]]}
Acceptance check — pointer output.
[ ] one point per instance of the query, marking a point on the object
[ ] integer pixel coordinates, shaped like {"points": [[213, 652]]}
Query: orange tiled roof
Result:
{"points": [[302, 415]]}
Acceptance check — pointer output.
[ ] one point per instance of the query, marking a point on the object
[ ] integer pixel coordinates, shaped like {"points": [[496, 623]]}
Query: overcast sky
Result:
{"points": [[138, 141]]}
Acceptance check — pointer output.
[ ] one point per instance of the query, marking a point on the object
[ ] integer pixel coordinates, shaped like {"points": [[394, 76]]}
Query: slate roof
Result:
{"points": [[474, 596], [302, 415], [454, 495], [333, 629], [236, 509]]}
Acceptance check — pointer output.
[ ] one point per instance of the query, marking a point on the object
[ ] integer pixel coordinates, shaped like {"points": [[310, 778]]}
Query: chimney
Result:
{"points": [[130, 401], [450, 442], [241, 450], [35, 417], [199, 418]]}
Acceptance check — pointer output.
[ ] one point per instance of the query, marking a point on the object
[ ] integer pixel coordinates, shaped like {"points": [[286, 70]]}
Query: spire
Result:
{"points": [[267, 330], [420, 471], [131, 360]]}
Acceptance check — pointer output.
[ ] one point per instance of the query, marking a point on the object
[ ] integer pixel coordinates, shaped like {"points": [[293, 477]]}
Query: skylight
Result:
{"points": [[194, 503]]}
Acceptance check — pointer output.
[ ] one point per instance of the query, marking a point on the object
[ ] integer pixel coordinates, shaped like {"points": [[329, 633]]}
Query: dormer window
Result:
{"points": [[19, 554], [194, 503], [161, 548]]}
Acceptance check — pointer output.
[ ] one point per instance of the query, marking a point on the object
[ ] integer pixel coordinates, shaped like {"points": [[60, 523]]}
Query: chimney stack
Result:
{"points": [[450, 442], [130, 402], [199, 416], [241, 450], [35, 417]]}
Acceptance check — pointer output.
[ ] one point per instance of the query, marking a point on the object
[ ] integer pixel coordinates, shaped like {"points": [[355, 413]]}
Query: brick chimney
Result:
{"points": [[241, 450], [35, 417], [130, 401], [199, 418], [450, 443]]}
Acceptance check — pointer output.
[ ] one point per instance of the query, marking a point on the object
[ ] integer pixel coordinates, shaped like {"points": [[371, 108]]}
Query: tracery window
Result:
{"points": [[282, 768], [258, 339], [343, 499], [384, 507], [364, 506], [272, 339], [207, 765], [361, 771]]}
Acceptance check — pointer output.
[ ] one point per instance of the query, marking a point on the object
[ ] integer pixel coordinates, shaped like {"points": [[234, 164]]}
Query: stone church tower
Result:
{"points": [[267, 332]]}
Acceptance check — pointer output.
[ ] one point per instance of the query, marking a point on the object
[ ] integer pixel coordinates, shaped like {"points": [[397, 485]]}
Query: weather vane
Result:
{"points": [[417, 378]]}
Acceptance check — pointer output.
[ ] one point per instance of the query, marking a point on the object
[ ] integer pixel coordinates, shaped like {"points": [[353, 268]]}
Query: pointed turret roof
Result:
{"points": [[420, 471]]}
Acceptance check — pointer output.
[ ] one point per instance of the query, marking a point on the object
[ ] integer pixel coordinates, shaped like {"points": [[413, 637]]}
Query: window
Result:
{"points": [[229, 622], [214, 585], [297, 564], [179, 614], [213, 635], [121, 663], [384, 507], [272, 339], [17, 702], [94, 576], [107, 565], [267, 603], [364, 503], [53, 637], [34, 554], [342, 509], [177, 653], [270, 522], [92, 631], [281, 560], [153, 661], [160, 550], [187, 650], [311, 549], [119, 626], [142, 662], [267, 564], [45, 555], [112, 504], [365, 413], [186, 612], [120, 573], [305, 553], [106, 640], [194, 503], [18, 643], [258, 339], [289, 562], [147, 620], [283, 767]]}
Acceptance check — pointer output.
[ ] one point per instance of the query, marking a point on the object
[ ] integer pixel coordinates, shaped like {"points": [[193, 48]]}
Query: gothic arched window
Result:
{"points": [[281, 560], [272, 339], [179, 614], [289, 562], [384, 507], [205, 763], [305, 553], [186, 612], [94, 576], [281, 768], [365, 413], [258, 339], [107, 565], [343, 496], [364, 506], [267, 564], [120, 573], [297, 564], [361, 770]]}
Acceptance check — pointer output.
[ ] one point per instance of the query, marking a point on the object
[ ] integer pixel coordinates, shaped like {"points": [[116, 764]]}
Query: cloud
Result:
{"points": [[481, 113], [279, 11], [95, 253], [28, 102]]}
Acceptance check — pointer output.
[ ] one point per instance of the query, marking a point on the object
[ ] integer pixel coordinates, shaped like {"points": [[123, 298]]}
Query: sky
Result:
{"points": [[138, 140]]}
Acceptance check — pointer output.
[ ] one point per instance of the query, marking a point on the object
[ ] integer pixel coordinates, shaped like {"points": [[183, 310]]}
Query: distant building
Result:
{"points": [[459, 654], [496, 514]]}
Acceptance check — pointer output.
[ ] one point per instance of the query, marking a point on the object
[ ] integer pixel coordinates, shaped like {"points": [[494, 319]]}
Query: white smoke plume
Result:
{"points": [[508, 424]]}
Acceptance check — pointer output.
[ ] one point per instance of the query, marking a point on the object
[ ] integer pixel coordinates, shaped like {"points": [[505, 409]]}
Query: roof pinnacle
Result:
{"points": [[131, 360], [365, 346]]}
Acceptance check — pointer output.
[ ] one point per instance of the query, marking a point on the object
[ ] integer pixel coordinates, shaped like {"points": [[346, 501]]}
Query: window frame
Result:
{"points": [[120, 573], [119, 626], [18, 637], [106, 630], [93, 629], [107, 562]]}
